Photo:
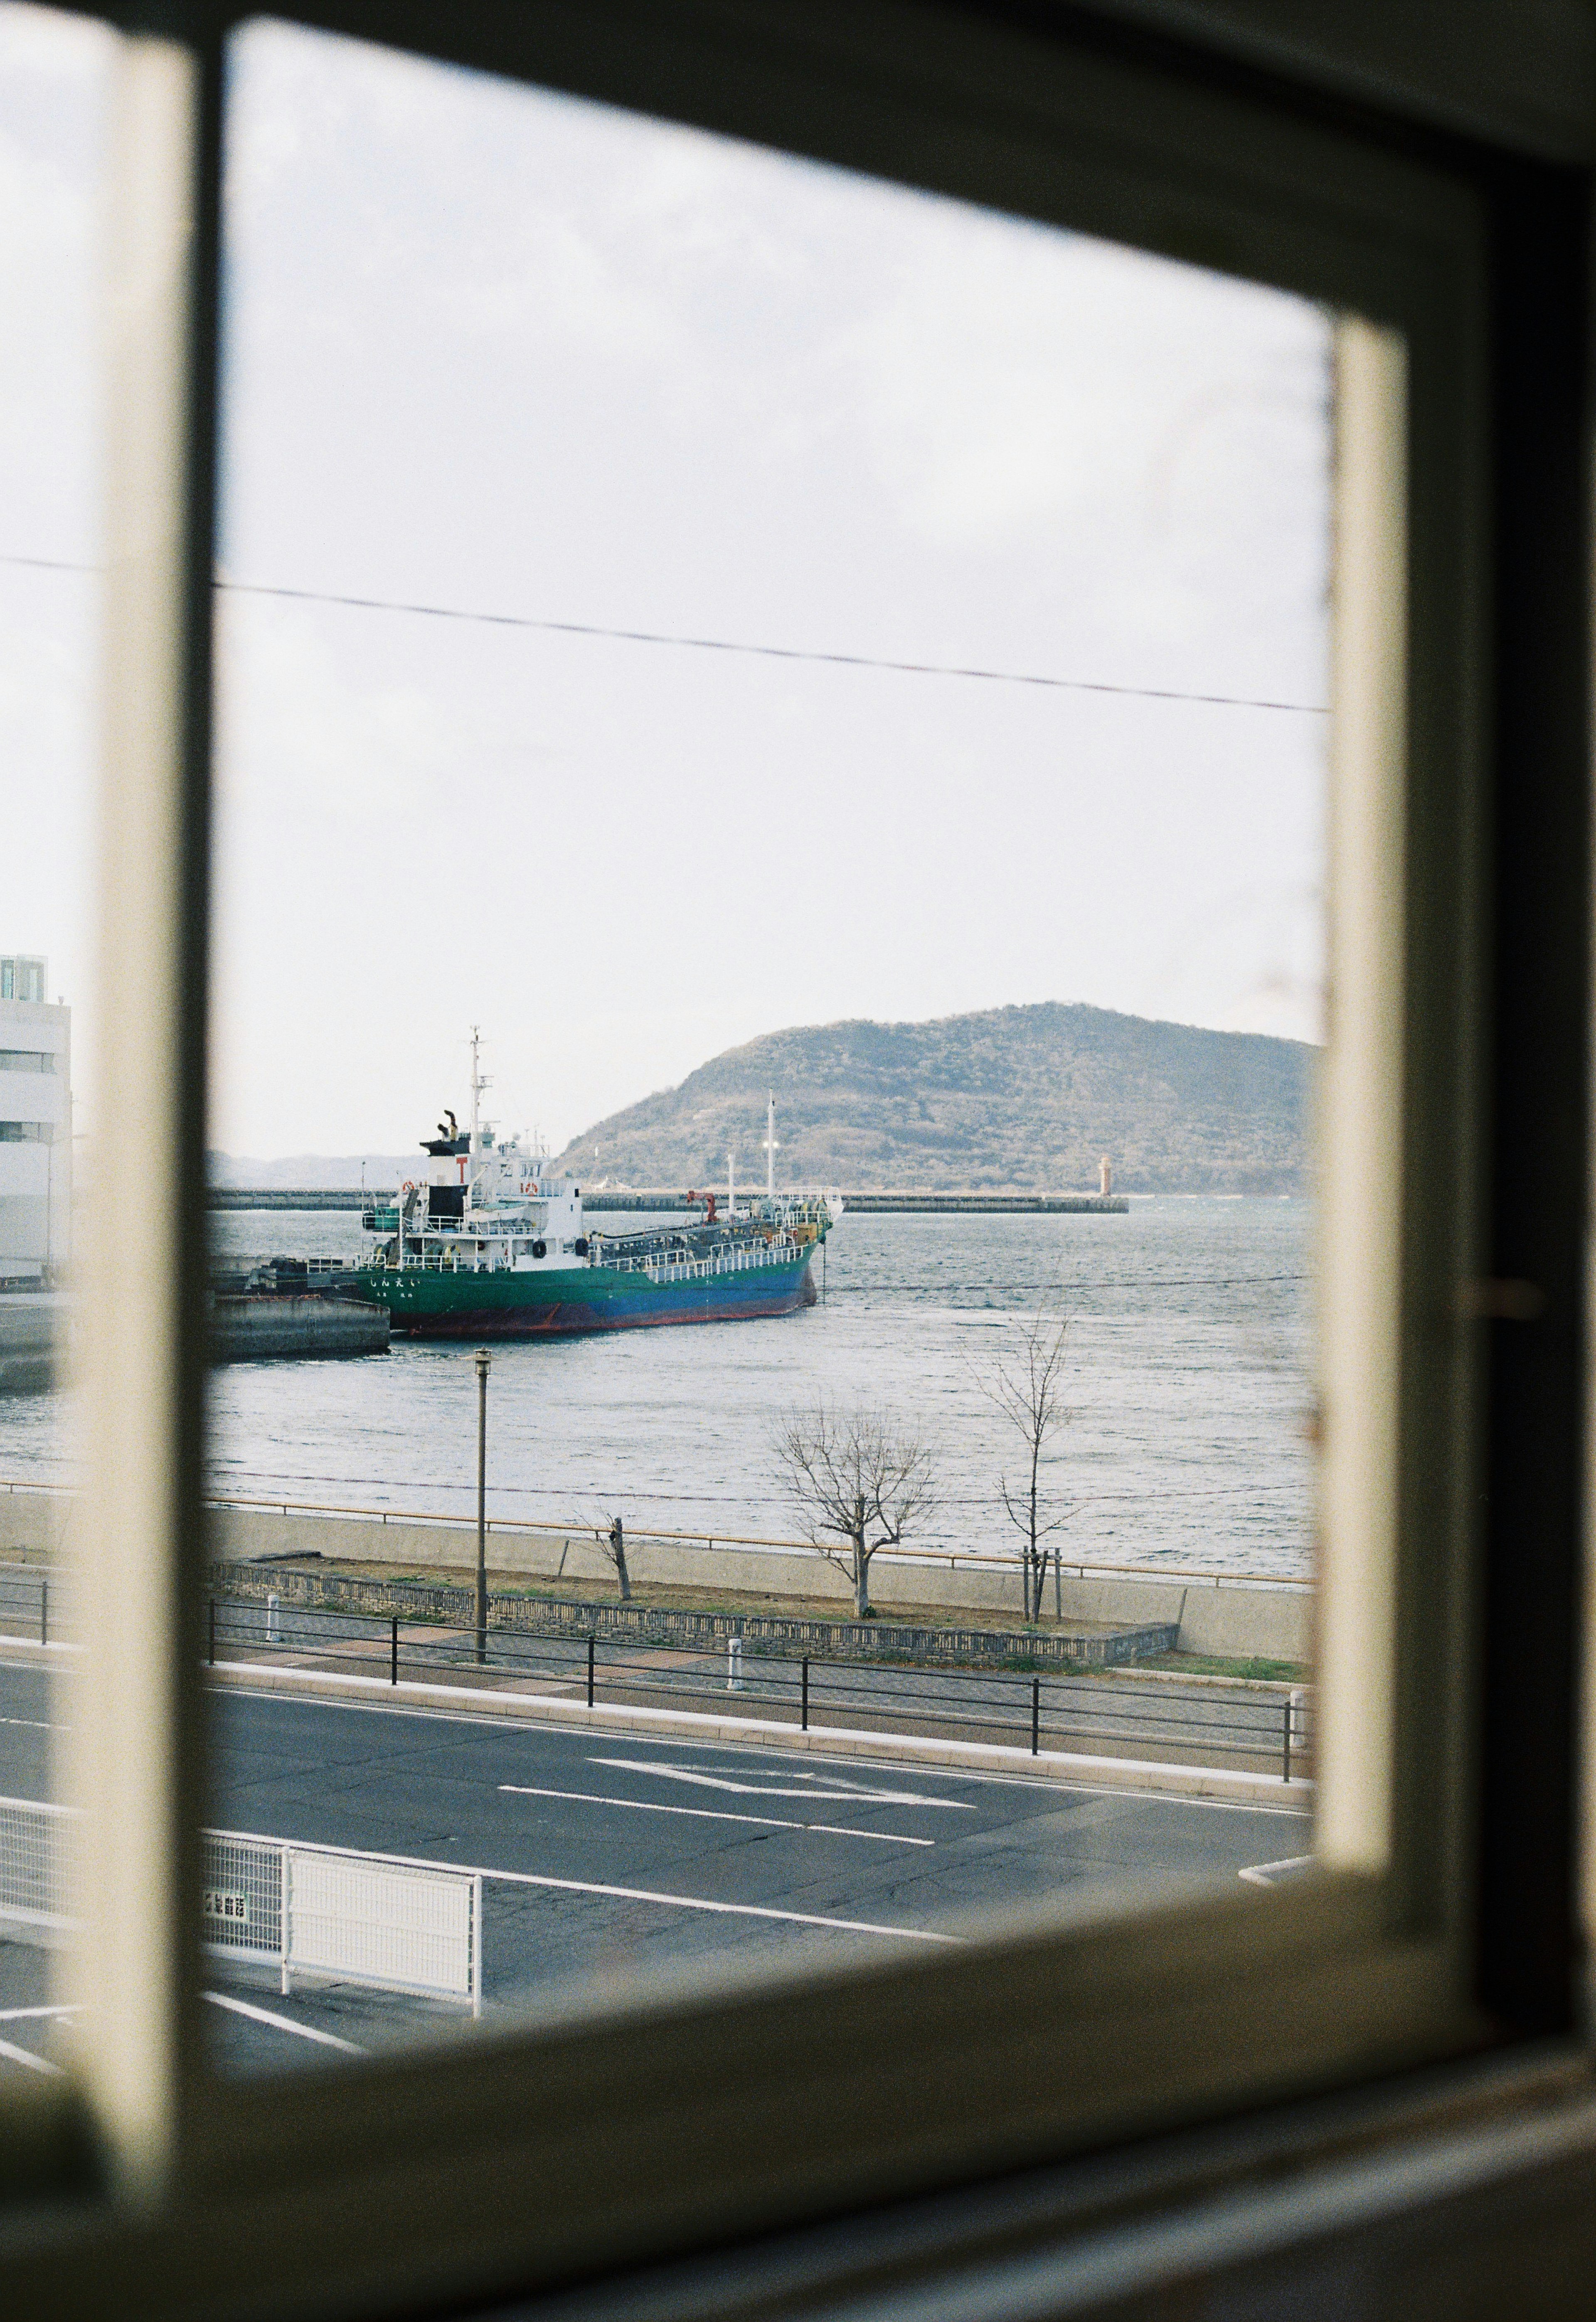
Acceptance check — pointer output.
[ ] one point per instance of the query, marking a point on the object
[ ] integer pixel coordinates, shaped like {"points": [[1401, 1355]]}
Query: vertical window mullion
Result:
{"points": [[134, 1749], [1361, 1105]]}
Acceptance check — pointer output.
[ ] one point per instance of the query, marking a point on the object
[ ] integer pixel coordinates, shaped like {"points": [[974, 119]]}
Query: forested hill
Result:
{"points": [[1013, 1098]]}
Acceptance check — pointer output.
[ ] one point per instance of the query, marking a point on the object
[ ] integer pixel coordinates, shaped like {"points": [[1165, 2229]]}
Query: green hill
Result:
{"points": [[1012, 1099]]}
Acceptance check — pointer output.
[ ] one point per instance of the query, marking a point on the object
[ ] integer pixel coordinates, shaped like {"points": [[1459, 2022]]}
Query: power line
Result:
{"points": [[766, 653], [723, 645]]}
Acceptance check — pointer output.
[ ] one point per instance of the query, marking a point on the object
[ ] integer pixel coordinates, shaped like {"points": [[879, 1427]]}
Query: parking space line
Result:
{"points": [[280, 2023], [733, 1910], [9, 2049]]}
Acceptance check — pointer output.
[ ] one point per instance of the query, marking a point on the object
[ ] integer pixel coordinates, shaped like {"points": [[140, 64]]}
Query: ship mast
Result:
{"points": [[480, 1081], [770, 1145]]}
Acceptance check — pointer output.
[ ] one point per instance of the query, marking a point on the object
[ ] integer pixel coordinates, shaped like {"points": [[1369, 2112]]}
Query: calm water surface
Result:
{"points": [[1186, 1379]]}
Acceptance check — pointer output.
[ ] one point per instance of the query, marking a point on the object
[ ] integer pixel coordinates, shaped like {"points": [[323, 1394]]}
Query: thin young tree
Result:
{"points": [[610, 1533], [860, 1481], [1026, 1385]]}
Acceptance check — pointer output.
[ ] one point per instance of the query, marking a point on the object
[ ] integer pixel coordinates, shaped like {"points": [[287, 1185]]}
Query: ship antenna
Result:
{"points": [[770, 1145]]}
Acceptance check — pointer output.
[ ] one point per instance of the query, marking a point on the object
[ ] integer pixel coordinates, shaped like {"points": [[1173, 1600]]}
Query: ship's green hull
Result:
{"points": [[570, 1302]]}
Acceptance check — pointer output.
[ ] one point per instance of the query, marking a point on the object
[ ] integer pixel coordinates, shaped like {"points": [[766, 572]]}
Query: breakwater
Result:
{"points": [[646, 1200]]}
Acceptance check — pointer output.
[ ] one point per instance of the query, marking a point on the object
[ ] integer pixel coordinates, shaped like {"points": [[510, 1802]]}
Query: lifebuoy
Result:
{"points": [[409, 1186]]}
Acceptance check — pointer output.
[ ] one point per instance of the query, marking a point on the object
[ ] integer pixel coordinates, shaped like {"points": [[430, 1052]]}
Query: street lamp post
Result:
{"points": [[484, 1360]]}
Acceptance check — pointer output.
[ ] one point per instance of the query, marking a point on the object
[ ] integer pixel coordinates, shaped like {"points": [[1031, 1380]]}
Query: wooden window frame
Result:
{"points": [[1446, 1924]]}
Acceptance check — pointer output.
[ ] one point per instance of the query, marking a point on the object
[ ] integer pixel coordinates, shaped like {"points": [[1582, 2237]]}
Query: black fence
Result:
{"points": [[28, 1608], [1156, 1718]]}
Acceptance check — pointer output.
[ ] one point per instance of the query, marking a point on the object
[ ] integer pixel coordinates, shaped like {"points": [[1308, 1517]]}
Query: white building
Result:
{"points": [[35, 1125]]}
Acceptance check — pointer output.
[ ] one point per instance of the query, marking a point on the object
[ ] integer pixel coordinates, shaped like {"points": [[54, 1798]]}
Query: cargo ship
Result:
{"points": [[485, 1243]]}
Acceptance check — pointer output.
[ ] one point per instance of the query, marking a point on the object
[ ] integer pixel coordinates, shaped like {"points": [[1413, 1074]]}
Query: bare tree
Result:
{"points": [[859, 1481], [1025, 1387], [610, 1533]]}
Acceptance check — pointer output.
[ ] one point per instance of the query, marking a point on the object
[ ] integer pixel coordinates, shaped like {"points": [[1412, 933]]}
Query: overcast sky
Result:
{"points": [[508, 353]]}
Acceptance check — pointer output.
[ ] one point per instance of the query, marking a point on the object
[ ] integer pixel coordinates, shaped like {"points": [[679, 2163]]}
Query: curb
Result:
{"points": [[835, 1741]]}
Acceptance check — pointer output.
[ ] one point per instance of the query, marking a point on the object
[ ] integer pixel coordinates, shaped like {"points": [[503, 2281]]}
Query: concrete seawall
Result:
{"points": [[1235, 1620]]}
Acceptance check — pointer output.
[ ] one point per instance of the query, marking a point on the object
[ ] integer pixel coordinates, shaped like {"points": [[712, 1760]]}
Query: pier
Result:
{"points": [[274, 1326]]}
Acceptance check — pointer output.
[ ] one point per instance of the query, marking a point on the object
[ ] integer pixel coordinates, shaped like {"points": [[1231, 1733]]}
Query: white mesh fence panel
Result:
{"points": [[243, 1896], [367, 1920], [316, 1911], [34, 1865]]}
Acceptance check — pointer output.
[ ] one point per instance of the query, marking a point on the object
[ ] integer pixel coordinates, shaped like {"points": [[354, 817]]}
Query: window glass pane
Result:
{"points": [[771, 779], [53, 94]]}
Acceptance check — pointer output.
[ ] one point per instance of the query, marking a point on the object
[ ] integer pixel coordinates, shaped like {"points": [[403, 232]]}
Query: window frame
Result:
{"points": [[1365, 1973]]}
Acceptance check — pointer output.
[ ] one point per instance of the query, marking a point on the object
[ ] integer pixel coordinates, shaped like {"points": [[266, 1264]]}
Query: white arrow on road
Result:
{"points": [[850, 1792]]}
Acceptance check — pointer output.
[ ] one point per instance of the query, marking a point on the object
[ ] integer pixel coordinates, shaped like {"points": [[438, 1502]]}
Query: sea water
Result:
{"points": [[1187, 1382]]}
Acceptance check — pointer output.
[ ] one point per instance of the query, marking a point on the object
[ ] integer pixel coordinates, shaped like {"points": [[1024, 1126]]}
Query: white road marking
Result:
{"points": [[845, 1793], [733, 1910], [712, 1813], [63, 2008], [1272, 1874], [42, 1724], [281, 2023], [26, 2056]]}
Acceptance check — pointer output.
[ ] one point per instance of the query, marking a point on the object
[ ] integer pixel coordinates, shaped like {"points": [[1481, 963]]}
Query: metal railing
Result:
{"points": [[1142, 1714], [1151, 1718], [29, 1606], [779, 1251]]}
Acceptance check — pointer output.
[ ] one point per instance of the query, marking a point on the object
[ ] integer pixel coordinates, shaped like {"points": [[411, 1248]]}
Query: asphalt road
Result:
{"points": [[731, 1856]]}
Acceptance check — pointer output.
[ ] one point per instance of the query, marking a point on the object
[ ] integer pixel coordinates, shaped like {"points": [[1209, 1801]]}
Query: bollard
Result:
{"points": [[1035, 1714], [393, 1664], [590, 1672], [44, 1612], [274, 1626], [804, 1720], [733, 1664], [1296, 1726], [213, 1630], [1286, 1739]]}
